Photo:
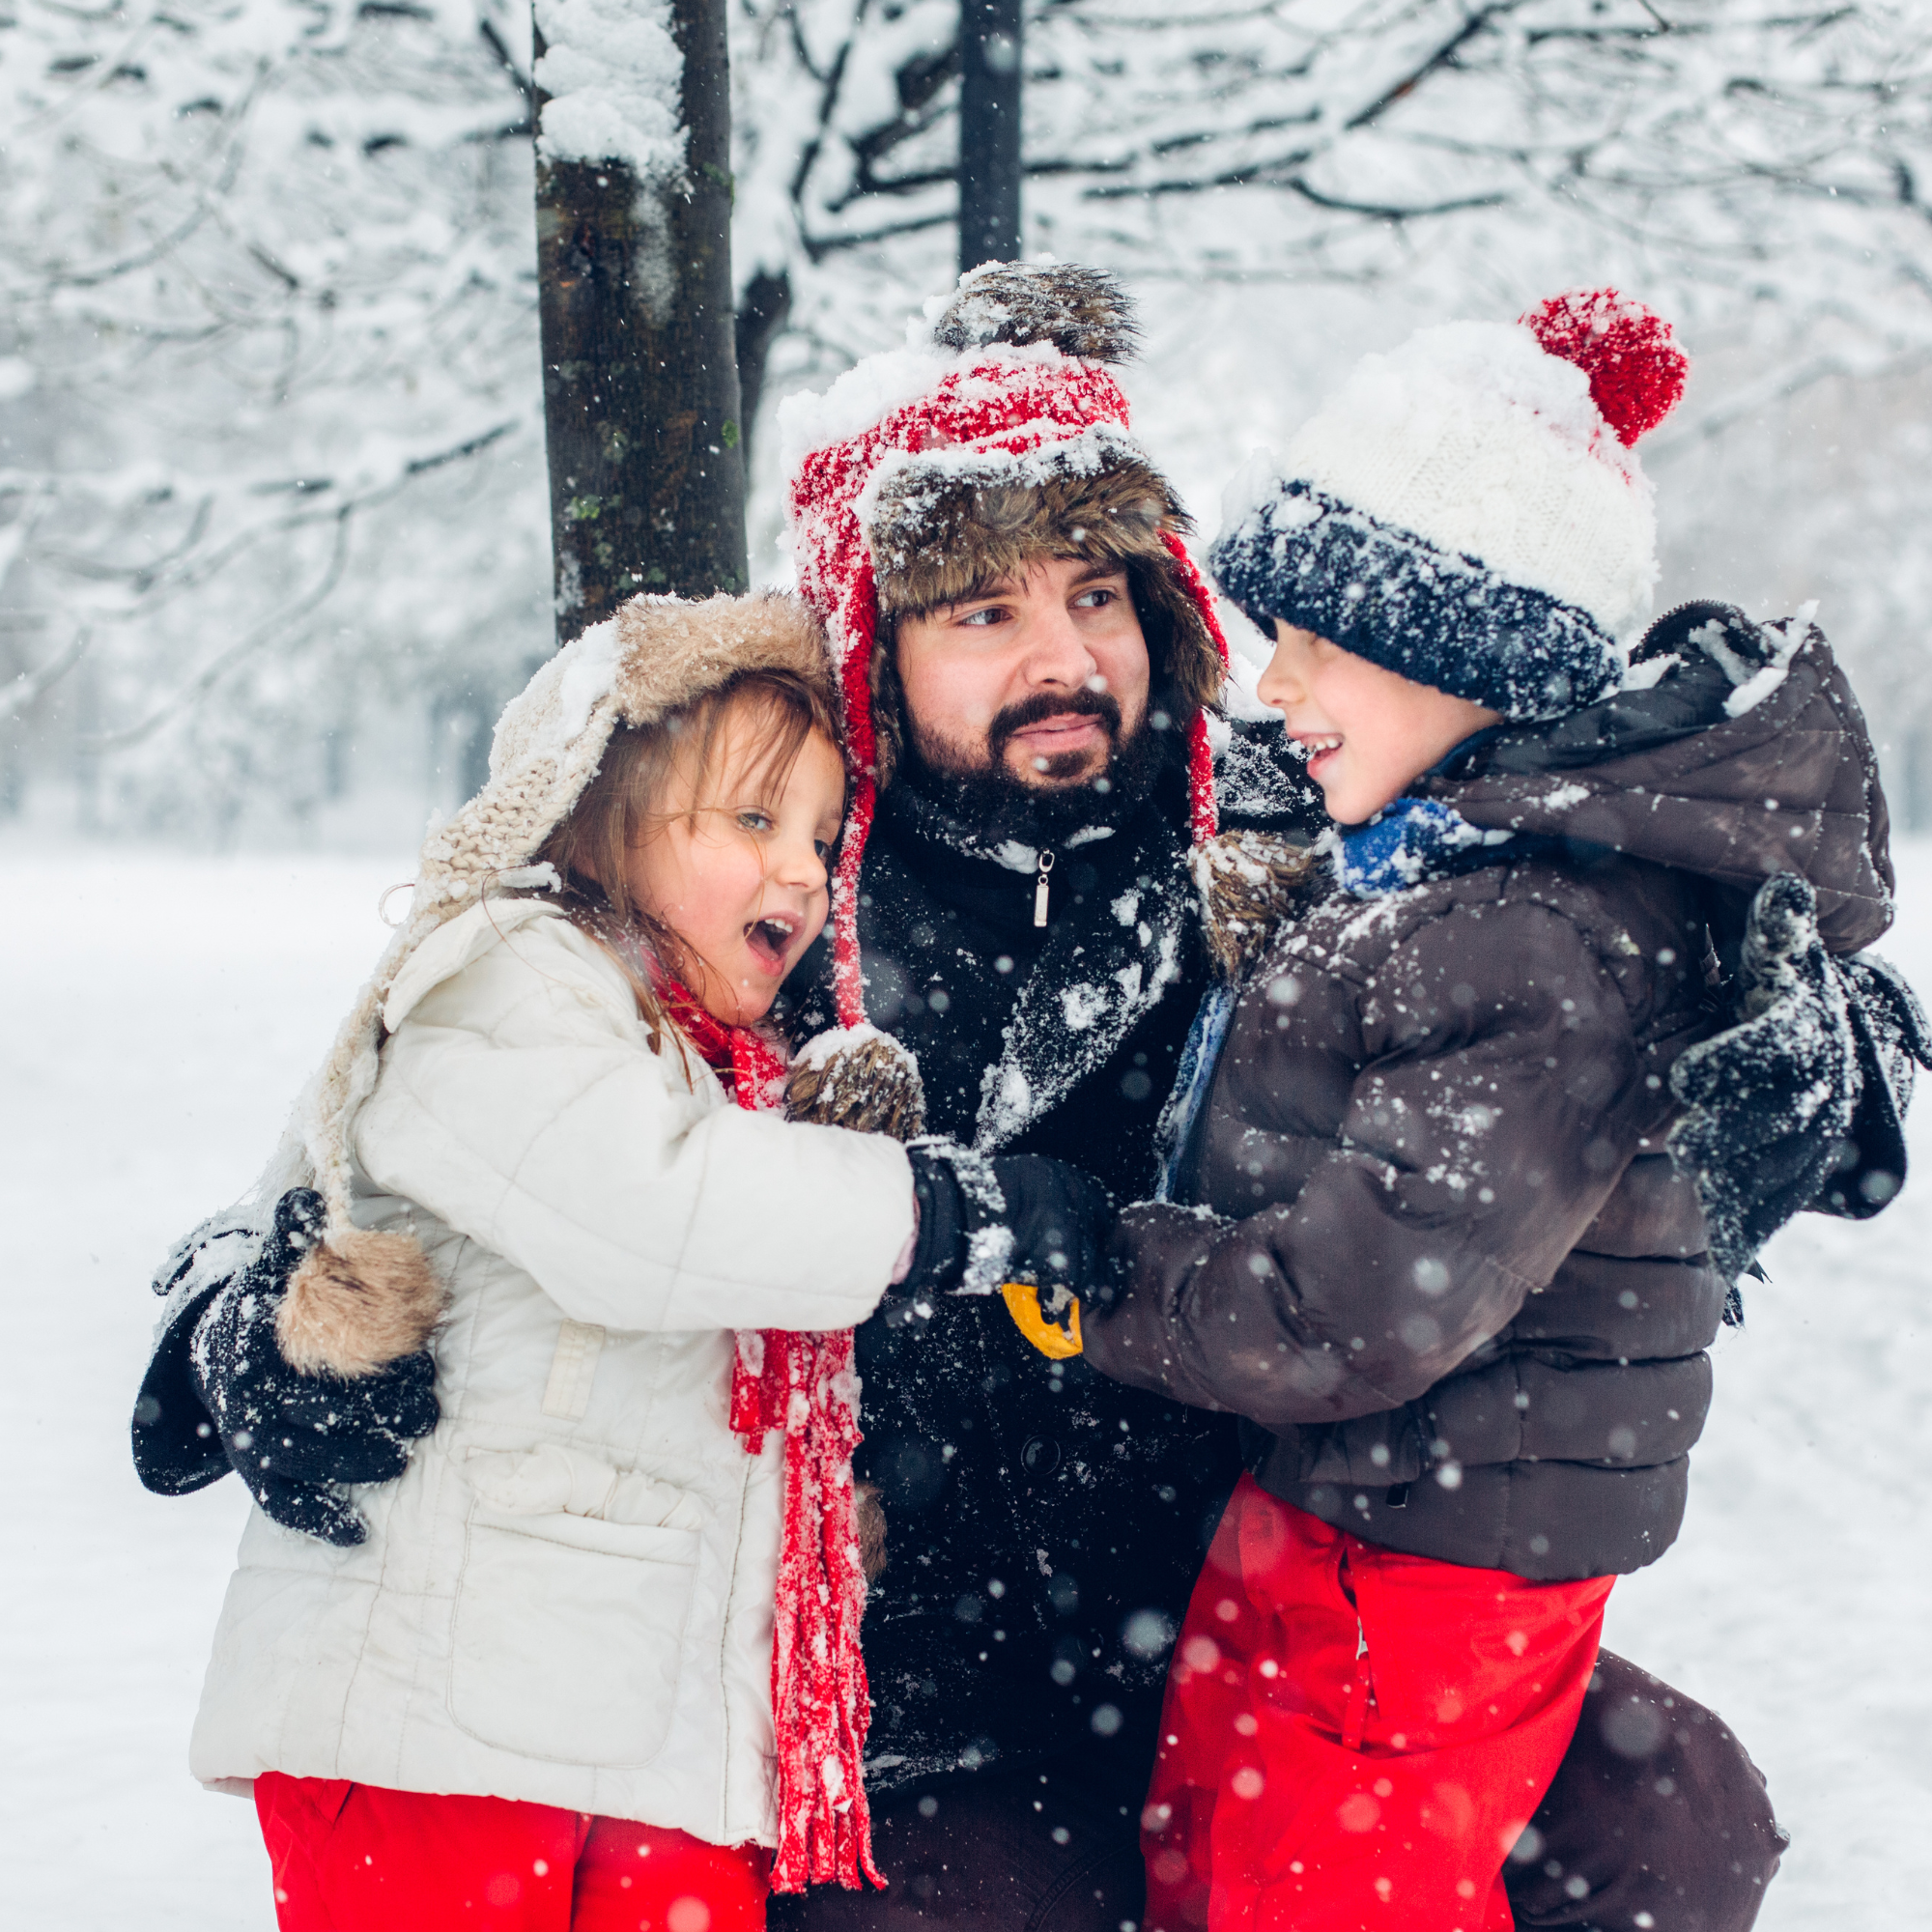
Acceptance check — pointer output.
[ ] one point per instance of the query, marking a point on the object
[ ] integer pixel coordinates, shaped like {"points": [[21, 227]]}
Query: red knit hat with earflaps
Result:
{"points": [[1010, 393]]}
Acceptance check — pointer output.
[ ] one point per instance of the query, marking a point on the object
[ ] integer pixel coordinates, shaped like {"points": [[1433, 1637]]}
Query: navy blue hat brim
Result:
{"points": [[1431, 615]]}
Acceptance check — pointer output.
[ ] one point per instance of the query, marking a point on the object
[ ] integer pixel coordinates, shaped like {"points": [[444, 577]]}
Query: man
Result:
{"points": [[1029, 657]]}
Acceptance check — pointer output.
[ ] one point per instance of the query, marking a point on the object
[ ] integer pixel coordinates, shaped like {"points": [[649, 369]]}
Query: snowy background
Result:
{"points": [[164, 1016], [273, 552]]}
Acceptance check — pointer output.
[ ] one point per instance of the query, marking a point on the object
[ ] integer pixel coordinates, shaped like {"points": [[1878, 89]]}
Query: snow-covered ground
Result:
{"points": [[164, 1009]]}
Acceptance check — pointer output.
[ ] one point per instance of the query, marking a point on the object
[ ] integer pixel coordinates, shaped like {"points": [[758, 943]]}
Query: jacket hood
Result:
{"points": [[1735, 750]]}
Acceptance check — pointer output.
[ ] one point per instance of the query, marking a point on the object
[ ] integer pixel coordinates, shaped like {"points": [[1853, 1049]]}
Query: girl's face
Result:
{"points": [[739, 875]]}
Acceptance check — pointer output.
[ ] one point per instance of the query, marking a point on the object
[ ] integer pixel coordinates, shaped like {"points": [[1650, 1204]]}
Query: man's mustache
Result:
{"points": [[1046, 704]]}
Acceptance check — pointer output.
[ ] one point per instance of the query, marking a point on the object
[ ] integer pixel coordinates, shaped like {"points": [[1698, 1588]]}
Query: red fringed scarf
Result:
{"points": [[802, 1384]]}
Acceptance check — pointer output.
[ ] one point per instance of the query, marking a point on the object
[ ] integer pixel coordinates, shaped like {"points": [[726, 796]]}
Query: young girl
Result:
{"points": [[540, 1693]]}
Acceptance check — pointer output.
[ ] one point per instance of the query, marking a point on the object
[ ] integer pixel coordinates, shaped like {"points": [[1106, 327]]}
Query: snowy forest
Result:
{"points": [[279, 537], [272, 463]]}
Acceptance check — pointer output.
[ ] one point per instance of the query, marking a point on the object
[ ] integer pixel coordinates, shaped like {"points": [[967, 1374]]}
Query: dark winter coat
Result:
{"points": [[1447, 1270], [1032, 1508]]}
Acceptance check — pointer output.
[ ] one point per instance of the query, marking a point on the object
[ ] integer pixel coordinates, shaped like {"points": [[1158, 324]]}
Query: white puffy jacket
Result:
{"points": [[568, 1596]]}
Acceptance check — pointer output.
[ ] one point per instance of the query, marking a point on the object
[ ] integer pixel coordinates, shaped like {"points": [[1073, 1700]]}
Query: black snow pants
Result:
{"points": [[1656, 1818]]}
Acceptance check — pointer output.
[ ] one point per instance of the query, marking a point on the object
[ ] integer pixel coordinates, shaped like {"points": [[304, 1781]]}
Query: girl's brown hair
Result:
{"points": [[626, 803]]}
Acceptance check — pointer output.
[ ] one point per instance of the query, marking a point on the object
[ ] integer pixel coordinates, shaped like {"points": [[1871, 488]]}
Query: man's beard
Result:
{"points": [[992, 801]]}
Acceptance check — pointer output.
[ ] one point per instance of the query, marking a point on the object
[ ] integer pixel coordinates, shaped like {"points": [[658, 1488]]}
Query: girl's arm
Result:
{"points": [[517, 1104]]}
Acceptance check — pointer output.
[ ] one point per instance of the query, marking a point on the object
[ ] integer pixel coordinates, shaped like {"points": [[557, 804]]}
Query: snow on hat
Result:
{"points": [[997, 437], [1466, 511], [653, 656]]}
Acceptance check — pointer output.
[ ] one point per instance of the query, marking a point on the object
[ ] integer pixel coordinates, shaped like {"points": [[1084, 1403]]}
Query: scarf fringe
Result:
{"points": [[803, 1385]]}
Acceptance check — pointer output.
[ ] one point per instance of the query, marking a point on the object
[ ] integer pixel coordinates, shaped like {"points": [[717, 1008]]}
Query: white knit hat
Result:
{"points": [[1467, 510]]}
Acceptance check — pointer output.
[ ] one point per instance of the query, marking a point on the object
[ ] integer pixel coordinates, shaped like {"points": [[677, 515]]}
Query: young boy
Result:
{"points": [[1439, 1259]]}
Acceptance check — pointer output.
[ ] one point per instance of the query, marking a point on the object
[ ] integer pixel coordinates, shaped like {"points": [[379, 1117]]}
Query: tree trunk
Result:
{"points": [[762, 314], [989, 132], [641, 375]]}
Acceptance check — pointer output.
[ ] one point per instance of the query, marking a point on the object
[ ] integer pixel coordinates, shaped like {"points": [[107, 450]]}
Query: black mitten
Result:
{"points": [[1769, 1102], [1893, 1042], [296, 1439], [987, 1220]]}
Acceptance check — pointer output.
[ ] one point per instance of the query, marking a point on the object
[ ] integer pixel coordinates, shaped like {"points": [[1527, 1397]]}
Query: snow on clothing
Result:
{"points": [[1086, 1501], [568, 1596], [1450, 1275], [1349, 1732], [500, 1128], [997, 438], [1465, 511], [921, 474], [354, 1858]]}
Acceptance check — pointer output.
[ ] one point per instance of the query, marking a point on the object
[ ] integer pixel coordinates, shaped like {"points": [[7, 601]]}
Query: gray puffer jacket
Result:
{"points": [[1442, 1261]]}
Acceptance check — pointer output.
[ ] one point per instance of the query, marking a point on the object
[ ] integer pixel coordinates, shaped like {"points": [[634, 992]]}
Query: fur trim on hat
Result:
{"points": [[1082, 312], [357, 1302]]}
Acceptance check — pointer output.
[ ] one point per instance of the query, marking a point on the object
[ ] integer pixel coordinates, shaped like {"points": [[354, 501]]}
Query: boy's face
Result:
{"points": [[1369, 732]]}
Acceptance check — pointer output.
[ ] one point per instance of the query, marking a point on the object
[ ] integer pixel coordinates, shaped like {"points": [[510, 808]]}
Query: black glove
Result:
{"points": [[295, 1438], [1769, 1102], [987, 1220]]}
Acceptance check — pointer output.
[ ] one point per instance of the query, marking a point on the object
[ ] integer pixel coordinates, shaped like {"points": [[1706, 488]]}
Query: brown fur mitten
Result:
{"points": [[860, 1078], [1248, 882], [358, 1301]]}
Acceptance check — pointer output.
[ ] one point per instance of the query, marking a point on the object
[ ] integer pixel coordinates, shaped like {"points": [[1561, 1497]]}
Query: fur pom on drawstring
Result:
{"points": [[1249, 881], [358, 1301], [860, 1078]]}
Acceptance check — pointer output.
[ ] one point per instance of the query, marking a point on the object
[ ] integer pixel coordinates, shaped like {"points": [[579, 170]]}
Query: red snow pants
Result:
{"points": [[357, 1858], [1353, 1738]]}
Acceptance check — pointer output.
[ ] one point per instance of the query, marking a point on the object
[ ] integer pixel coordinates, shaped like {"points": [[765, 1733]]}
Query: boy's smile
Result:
{"points": [[1368, 733]]}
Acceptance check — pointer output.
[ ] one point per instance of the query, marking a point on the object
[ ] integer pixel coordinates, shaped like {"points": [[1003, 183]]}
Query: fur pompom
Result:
{"points": [[1248, 882], [359, 1302], [868, 1519], [860, 1078], [1082, 312]]}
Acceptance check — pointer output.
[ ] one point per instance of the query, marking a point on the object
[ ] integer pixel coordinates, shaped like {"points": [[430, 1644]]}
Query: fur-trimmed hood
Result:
{"points": [[360, 1299]]}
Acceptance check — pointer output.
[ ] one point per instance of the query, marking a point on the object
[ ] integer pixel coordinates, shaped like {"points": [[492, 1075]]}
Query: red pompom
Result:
{"points": [[1635, 370]]}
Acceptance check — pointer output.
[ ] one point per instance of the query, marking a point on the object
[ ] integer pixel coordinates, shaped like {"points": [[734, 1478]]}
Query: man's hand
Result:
{"points": [[985, 1221], [295, 1438]]}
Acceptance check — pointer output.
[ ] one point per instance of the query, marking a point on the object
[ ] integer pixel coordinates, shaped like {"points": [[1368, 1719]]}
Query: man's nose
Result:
{"points": [[1057, 653]]}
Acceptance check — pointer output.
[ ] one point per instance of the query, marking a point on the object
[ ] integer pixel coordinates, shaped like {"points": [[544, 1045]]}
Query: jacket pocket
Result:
{"points": [[567, 1633]]}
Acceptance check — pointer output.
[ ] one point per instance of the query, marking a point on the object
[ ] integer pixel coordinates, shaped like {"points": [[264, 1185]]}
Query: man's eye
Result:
{"points": [[1096, 599], [993, 613]]}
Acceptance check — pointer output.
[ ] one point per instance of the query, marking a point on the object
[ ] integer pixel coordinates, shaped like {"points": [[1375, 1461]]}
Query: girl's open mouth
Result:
{"points": [[770, 939]]}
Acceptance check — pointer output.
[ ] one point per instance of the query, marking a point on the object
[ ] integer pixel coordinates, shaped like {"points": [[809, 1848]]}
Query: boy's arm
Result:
{"points": [[1480, 1140]]}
